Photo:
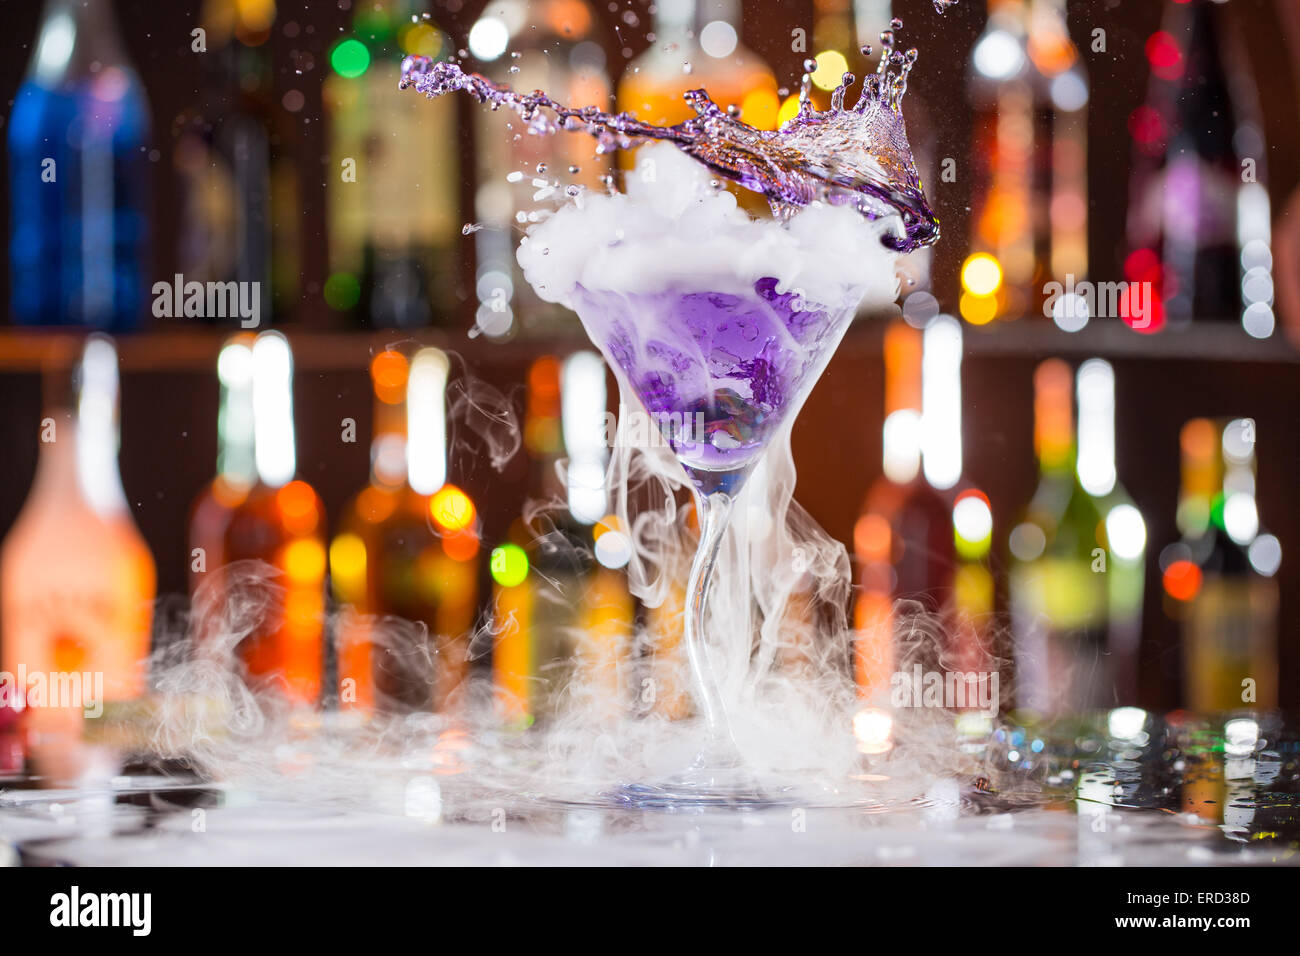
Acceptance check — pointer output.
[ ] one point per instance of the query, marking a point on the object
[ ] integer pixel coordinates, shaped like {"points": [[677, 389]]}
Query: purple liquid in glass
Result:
{"points": [[718, 372]]}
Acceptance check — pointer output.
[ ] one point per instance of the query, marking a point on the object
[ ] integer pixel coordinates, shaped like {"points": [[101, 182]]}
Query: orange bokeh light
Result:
{"points": [[297, 504], [871, 537], [461, 546], [1182, 580], [388, 371], [374, 504]]}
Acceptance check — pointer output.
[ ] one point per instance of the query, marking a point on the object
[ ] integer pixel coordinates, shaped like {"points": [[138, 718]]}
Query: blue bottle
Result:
{"points": [[78, 176]]}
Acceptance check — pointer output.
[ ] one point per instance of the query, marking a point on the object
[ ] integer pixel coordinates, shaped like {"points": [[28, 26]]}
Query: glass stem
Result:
{"points": [[714, 512]]}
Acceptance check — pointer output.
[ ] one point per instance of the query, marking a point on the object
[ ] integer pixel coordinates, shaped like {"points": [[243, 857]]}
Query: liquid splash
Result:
{"points": [[855, 155]]}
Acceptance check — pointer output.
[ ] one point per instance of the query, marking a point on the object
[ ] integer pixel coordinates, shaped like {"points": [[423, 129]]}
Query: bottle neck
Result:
{"points": [[833, 28], [1095, 462], [79, 454], [425, 408], [901, 435], [1202, 476], [1053, 419], [274, 455], [674, 18], [941, 443], [543, 429], [236, 450], [583, 429], [74, 35], [77, 463], [388, 444]]}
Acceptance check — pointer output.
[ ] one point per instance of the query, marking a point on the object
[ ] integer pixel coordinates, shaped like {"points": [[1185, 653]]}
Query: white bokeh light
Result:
{"points": [[488, 38], [1126, 532]]}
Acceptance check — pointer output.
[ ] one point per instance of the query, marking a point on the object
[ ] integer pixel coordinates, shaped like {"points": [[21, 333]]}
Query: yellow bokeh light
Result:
{"points": [[760, 108], [789, 109], [348, 563], [981, 274], [304, 560], [451, 509], [421, 39], [979, 309], [831, 67]]}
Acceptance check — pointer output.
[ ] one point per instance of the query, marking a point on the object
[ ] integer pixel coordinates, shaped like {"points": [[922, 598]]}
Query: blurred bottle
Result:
{"points": [[839, 44], [522, 647], [1218, 580], [1199, 221], [974, 592], [846, 38], [697, 45], [78, 176], [394, 176], [966, 643], [76, 578], [235, 154], [903, 539], [551, 45], [257, 531], [236, 460], [405, 553], [1057, 582], [1123, 531], [572, 630], [1029, 199]]}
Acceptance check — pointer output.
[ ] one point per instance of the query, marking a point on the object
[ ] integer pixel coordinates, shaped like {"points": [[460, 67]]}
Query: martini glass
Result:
{"points": [[721, 371]]}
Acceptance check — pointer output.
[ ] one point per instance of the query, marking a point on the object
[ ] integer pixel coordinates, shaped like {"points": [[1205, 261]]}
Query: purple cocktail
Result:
{"points": [[718, 372], [719, 323]]}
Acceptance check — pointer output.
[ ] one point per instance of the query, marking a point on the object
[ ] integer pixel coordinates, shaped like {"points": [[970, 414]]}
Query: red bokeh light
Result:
{"points": [[1147, 127], [1165, 57]]}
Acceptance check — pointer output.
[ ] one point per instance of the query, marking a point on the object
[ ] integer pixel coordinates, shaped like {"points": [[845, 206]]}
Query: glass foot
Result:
{"points": [[688, 793], [715, 779]]}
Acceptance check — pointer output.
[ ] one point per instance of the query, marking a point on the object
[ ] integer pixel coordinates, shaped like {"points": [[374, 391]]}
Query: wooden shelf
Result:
{"points": [[195, 349], [1204, 342]]}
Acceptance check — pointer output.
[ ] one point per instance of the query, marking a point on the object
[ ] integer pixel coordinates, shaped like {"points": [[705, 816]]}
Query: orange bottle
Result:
{"points": [[405, 559], [256, 530], [77, 581]]}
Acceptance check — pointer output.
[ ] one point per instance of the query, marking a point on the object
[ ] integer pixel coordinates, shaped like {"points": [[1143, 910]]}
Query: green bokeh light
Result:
{"points": [[509, 565], [350, 58], [342, 291]]}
